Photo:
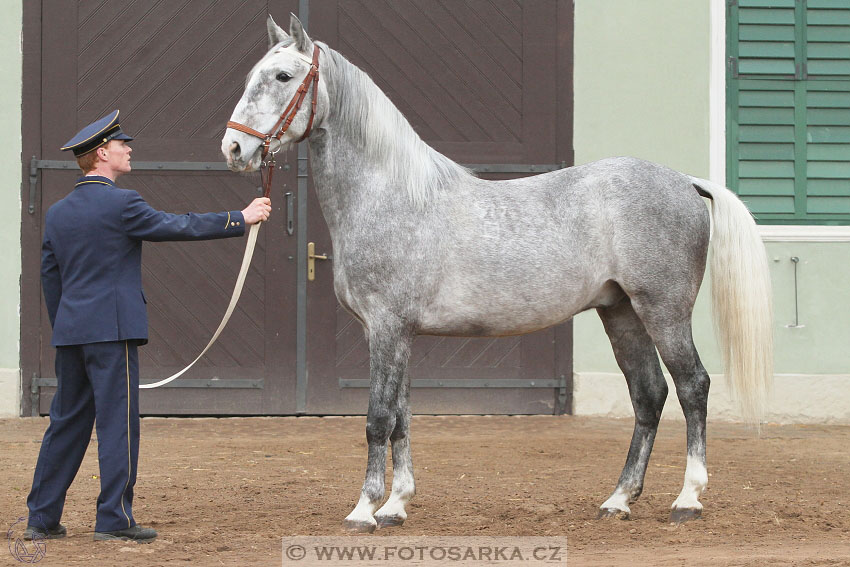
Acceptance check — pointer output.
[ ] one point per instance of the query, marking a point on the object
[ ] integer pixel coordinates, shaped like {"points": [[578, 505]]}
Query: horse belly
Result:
{"points": [[500, 312]]}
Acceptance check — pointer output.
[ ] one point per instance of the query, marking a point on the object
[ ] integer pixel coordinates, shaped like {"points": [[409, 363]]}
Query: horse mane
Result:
{"points": [[370, 120]]}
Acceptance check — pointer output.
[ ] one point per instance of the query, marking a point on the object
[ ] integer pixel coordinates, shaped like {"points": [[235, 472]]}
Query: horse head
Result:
{"points": [[270, 87]]}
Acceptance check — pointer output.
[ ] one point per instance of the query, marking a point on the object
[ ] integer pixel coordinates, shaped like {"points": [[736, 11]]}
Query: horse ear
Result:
{"points": [[276, 33], [296, 30]]}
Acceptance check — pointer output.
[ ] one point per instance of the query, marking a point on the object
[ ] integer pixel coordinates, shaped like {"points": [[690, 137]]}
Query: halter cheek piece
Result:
{"points": [[285, 121]]}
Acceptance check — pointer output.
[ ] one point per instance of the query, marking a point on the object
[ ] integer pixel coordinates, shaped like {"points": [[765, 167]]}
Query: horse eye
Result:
{"points": [[283, 77]]}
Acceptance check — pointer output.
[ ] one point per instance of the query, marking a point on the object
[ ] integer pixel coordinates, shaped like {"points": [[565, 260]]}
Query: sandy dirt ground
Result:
{"points": [[226, 491]]}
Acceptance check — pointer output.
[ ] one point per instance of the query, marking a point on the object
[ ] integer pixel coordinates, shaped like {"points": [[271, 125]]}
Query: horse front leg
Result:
{"points": [[389, 352], [393, 513]]}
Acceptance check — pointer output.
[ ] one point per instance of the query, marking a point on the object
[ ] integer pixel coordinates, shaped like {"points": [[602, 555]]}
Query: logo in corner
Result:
{"points": [[21, 549]]}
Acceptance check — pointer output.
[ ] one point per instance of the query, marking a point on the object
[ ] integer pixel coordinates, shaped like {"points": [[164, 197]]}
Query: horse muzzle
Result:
{"points": [[239, 157]]}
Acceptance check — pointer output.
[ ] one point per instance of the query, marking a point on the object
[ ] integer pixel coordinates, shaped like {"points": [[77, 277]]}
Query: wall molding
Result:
{"points": [[804, 233], [717, 93]]}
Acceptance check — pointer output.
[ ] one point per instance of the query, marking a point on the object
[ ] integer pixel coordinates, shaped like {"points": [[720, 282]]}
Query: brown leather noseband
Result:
{"points": [[285, 120]]}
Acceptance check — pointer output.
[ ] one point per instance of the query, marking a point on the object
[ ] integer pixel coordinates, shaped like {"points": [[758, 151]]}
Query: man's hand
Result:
{"points": [[258, 211]]}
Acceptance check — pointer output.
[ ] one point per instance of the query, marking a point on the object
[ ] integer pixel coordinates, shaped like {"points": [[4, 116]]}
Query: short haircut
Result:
{"points": [[87, 162]]}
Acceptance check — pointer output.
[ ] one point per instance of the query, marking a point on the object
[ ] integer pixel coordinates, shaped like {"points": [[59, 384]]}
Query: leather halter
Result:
{"points": [[285, 121]]}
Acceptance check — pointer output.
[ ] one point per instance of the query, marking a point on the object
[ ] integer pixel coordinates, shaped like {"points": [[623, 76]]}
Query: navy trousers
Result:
{"points": [[98, 383]]}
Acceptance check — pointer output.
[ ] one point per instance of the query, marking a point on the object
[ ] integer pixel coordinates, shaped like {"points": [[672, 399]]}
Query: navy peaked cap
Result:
{"points": [[95, 135]]}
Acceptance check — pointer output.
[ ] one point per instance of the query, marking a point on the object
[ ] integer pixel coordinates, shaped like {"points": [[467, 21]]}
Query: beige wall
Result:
{"points": [[10, 201]]}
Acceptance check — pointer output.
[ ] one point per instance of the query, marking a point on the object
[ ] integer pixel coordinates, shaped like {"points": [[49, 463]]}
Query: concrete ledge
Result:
{"points": [[10, 392], [796, 398]]}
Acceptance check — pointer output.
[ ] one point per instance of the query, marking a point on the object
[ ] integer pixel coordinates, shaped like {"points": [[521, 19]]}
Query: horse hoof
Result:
{"points": [[359, 527], [389, 521], [612, 513], [682, 515]]}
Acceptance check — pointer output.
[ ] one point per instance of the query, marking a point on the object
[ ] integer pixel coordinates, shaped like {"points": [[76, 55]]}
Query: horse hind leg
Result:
{"points": [[636, 356], [389, 352], [671, 331], [393, 513]]}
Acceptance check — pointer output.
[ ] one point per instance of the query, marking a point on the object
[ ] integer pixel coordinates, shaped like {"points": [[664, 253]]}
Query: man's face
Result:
{"points": [[118, 156]]}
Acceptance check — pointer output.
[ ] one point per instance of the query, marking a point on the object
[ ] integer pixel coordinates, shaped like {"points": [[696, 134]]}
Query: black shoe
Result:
{"points": [[136, 533], [37, 532]]}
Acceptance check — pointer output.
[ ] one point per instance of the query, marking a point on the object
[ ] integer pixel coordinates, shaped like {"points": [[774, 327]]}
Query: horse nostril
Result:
{"points": [[235, 150]]}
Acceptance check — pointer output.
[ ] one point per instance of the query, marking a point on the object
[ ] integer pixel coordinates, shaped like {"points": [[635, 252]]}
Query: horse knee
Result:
{"points": [[379, 426], [401, 429]]}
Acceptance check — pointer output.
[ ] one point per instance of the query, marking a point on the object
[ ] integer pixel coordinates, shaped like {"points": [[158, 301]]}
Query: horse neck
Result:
{"points": [[364, 132]]}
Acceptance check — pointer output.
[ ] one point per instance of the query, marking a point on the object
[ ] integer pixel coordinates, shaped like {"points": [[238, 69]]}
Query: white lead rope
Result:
{"points": [[234, 299]]}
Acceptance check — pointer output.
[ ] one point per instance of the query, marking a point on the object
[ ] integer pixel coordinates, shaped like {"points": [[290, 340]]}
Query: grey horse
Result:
{"points": [[422, 246]]}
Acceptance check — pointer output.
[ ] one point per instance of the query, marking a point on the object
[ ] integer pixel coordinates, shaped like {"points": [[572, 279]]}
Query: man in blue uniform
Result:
{"points": [[92, 281]]}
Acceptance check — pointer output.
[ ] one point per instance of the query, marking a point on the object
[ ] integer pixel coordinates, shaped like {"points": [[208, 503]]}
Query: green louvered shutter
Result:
{"points": [[766, 38], [828, 149], [788, 109], [828, 39]]}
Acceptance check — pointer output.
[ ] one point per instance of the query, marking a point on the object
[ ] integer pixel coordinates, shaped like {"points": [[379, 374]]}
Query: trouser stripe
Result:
{"points": [[129, 457]]}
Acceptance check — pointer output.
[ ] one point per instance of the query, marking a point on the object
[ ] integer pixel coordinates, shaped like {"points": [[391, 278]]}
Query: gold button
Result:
{"points": [[237, 223], [232, 224]]}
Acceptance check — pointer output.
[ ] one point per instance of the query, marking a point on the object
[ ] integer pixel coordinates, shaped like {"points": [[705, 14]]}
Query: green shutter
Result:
{"points": [[788, 109], [765, 146], [828, 39], [828, 148], [766, 39]]}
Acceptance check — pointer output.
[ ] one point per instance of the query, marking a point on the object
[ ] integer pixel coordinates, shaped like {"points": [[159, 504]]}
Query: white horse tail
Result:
{"points": [[741, 299]]}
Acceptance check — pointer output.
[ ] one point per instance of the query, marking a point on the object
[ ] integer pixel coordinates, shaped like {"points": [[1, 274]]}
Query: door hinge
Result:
{"points": [[733, 66], [562, 395]]}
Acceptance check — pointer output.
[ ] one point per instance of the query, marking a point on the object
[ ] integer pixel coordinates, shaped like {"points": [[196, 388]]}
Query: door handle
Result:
{"points": [[311, 260]]}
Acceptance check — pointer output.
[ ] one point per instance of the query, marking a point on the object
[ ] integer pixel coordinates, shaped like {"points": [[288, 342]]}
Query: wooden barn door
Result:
{"points": [[487, 83], [175, 69]]}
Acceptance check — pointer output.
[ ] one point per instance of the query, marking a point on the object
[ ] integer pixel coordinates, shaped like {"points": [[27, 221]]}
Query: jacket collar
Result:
{"points": [[94, 179]]}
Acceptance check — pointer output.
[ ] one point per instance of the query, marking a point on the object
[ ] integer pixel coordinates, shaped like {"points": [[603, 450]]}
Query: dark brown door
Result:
{"points": [[485, 82], [175, 69]]}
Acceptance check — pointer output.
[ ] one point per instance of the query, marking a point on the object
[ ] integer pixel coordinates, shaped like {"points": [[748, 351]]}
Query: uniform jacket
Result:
{"points": [[91, 259]]}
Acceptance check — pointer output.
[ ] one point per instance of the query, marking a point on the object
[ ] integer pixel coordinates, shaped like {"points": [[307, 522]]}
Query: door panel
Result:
{"points": [[175, 70]]}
